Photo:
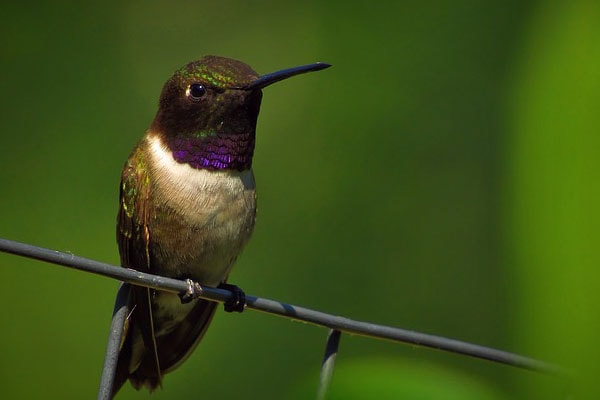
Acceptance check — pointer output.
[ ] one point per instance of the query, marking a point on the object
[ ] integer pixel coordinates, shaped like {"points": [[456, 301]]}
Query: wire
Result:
{"points": [[281, 309], [331, 351]]}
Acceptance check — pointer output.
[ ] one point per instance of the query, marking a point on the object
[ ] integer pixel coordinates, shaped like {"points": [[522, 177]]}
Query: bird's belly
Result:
{"points": [[202, 226], [198, 239]]}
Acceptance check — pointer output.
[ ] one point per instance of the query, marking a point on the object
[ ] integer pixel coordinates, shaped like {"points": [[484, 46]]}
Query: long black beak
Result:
{"points": [[273, 77]]}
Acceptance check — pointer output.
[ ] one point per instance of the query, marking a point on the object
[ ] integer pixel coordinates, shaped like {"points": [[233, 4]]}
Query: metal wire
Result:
{"points": [[282, 309], [117, 325], [331, 351]]}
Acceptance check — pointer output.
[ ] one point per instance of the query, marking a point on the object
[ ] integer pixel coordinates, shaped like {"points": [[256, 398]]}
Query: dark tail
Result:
{"points": [[137, 359]]}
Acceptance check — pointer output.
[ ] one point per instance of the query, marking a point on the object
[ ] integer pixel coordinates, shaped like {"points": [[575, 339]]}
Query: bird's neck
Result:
{"points": [[213, 151]]}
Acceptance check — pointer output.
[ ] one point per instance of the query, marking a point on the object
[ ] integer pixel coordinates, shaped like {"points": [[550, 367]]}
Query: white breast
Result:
{"points": [[195, 191]]}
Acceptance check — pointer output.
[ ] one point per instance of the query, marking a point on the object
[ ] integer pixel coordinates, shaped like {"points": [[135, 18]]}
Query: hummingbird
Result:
{"points": [[187, 207]]}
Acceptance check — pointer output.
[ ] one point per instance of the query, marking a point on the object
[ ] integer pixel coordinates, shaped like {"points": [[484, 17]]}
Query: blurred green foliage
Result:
{"points": [[442, 177]]}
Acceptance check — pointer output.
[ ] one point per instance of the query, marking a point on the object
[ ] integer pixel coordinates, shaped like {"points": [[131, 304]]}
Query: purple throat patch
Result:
{"points": [[216, 152]]}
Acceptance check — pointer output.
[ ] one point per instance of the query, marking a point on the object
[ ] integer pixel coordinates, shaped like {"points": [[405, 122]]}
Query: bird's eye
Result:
{"points": [[196, 91]]}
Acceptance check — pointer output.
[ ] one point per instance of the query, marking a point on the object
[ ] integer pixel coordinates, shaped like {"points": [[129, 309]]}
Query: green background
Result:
{"points": [[442, 176]]}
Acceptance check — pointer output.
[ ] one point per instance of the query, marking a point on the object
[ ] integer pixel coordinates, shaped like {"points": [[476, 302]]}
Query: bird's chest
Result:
{"points": [[200, 221]]}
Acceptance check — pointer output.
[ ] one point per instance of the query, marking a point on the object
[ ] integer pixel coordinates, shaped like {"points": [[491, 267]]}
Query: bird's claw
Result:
{"points": [[237, 302], [193, 292]]}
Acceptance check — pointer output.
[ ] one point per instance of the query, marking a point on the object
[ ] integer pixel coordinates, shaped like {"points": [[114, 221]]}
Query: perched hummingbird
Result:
{"points": [[187, 206]]}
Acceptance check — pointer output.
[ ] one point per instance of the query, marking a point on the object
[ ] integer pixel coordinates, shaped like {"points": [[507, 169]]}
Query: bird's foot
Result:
{"points": [[237, 302], [193, 291]]}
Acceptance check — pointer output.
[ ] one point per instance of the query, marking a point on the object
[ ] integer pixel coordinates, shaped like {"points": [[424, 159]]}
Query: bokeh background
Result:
{"points": [[441, 177]]}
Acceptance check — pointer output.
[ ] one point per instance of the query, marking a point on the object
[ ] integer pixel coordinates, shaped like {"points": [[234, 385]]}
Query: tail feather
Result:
{"points": [[137, 359]]}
